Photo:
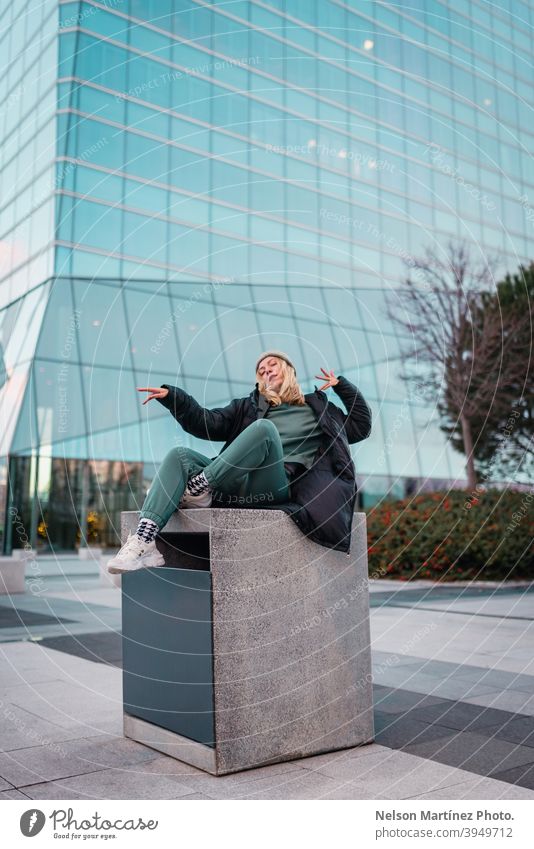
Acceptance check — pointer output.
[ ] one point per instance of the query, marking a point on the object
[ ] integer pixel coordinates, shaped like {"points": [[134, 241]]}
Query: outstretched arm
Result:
{"points": [[357, 420], [213, 424]]}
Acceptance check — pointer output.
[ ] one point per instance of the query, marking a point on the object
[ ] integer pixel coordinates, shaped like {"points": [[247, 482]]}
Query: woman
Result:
{"points": [[282, 449]]}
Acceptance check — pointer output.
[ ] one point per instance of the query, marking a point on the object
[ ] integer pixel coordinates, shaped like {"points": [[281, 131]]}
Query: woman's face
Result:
{"points": [[271, 373]]}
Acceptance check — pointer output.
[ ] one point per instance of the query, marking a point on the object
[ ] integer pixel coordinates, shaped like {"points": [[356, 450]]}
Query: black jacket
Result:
{"points": [[323, 497]]}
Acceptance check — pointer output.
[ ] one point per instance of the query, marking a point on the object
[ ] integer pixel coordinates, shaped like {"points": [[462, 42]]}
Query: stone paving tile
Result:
{"points": [[70, 702], [105, 647], [12, 794], [499, 678], [390, 700], [249, 783], [31, 662], [166, 766], [77, 628], [397, 734], [94, 724], [21, 729], [515, 608], [71, 757], [523, 775], [29, 766], [479, 788], [352, 790], [171, 767], [476, 676], [101, 595], [515, 729], [193, 796], [108, 784], [5, 785], [439, 687], [297, 784], [28, 620], [316, 761], [511, 701], [461, 716], [28, 678], [392, 774], [24, 693], [473, 752]]}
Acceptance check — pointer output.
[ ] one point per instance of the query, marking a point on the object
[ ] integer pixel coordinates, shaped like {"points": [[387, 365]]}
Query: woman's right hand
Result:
{"points": [[158, 392]]}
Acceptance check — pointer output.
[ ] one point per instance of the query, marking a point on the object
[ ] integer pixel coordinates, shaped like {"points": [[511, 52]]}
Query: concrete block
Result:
{"points": [[23, 554], [12, 573], [251, 646], [89, 553]]}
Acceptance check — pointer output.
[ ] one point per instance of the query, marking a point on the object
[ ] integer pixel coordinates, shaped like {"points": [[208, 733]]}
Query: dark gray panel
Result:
{"points": [[167, 650]]}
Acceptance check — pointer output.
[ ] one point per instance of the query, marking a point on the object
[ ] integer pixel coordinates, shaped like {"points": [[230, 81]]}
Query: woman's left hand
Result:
{"points": [[330, 378]]}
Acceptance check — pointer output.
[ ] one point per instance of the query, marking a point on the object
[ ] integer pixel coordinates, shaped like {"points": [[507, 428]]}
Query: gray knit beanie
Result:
{"points": [[274, 354]]}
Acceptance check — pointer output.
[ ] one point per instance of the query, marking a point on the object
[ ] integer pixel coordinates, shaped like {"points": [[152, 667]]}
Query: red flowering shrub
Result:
{"points": [[453, 536]]}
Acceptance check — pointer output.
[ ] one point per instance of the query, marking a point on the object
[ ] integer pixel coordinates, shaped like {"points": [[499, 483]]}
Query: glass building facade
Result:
{"points": [[185, 184]]}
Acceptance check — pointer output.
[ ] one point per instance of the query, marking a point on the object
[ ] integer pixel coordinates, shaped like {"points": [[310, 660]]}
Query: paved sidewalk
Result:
{"points": [[454, 699]]}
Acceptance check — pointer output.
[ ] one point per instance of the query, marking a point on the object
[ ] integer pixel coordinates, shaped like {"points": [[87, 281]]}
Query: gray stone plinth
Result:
{"points": [[290, 636], [23, 554], [12, 572], [89, 553]]}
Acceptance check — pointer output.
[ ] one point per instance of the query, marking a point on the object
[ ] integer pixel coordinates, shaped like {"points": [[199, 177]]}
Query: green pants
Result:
{"points": [[248, 473]]}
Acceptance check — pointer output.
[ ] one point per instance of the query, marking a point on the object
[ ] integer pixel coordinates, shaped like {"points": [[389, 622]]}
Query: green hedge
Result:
{"points": [[453, 536]]}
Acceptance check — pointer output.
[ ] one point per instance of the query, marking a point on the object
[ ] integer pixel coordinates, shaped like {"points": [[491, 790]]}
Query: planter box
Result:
{"points": [[12, 573], [250, 646]]}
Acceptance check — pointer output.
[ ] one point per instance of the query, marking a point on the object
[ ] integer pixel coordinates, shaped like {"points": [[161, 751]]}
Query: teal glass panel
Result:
{"points": [[101, 62], [198, 333], [123, 442], [146, 119], [146, 157], [240, 336], [189, 248], [430, 443], [229, 257], [144, 237], [95, 183], [99, 143], [102, 325], [145, 197], [101, 104], [399, 442], [59, 403], [97, 225], [189, 171], [58, 338], [152, 326], [160, 431], [111, 399], [22, 420], [85, 264], [20, 346]]}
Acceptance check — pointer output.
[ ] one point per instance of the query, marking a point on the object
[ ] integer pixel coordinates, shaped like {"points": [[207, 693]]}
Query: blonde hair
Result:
{"points": [[289, 392]]}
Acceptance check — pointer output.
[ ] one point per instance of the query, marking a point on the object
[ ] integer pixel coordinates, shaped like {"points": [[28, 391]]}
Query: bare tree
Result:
{"points": [[456, 347]]}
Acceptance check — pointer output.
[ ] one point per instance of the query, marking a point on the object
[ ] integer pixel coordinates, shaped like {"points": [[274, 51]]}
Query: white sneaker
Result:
{"points": [[203, 500], [135, 554]]}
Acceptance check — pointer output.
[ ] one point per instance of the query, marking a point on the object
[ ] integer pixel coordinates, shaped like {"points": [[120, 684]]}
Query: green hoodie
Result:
{"points": [[299, 431]]}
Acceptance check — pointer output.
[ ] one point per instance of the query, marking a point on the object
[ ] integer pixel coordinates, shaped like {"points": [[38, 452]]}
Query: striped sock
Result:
{"points": [[197, 484], [147, 530]]}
